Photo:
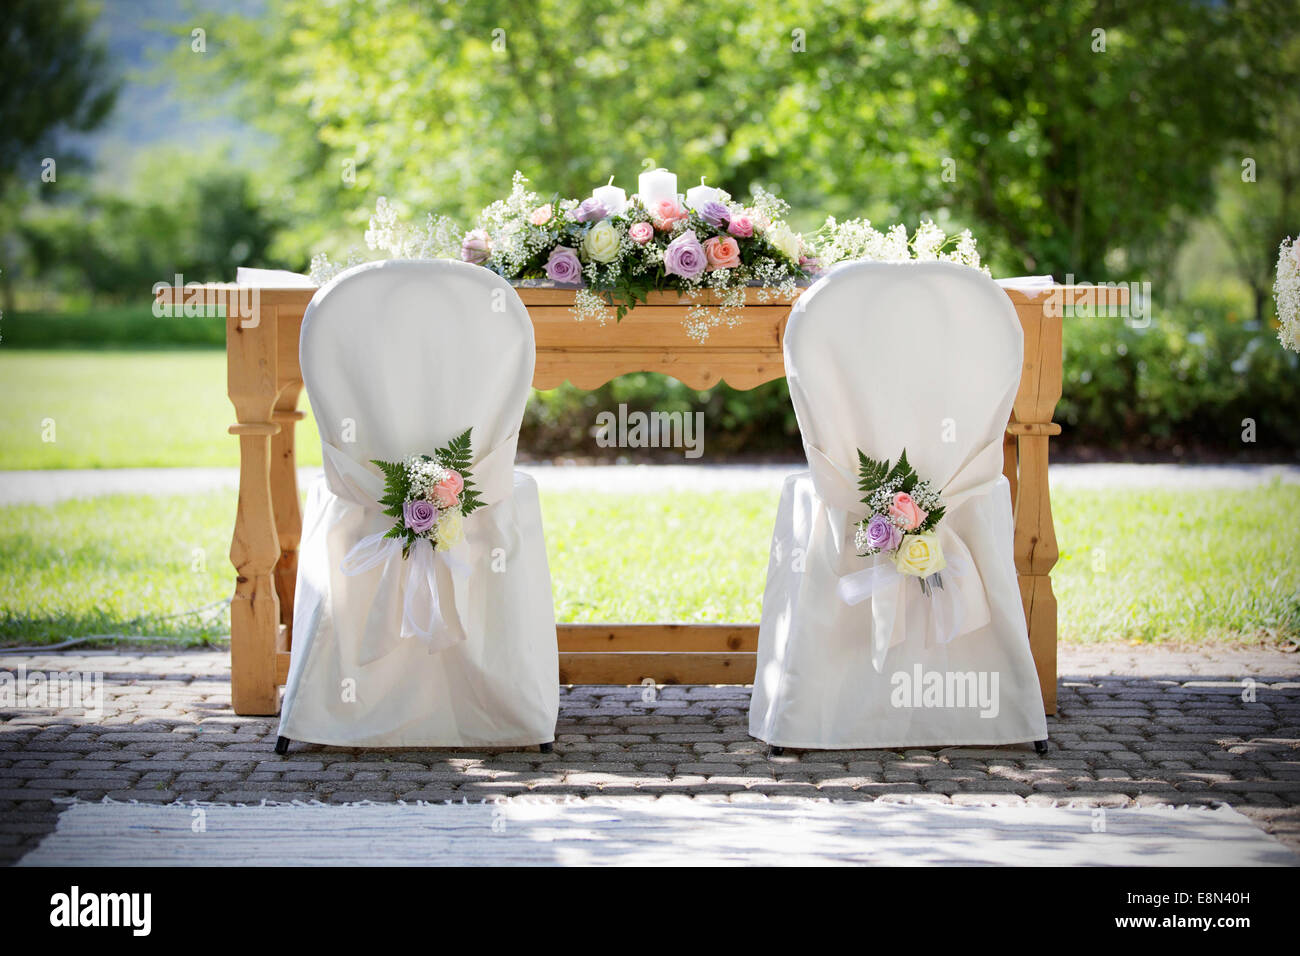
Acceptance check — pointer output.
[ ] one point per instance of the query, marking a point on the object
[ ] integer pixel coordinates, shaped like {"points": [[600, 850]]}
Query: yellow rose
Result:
{"points": [[919, 555], [785, 240], [450, 529], [601, 242]]}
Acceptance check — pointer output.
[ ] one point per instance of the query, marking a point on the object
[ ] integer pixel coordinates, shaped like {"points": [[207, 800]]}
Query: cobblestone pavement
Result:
{"points": [[1135, 727]]}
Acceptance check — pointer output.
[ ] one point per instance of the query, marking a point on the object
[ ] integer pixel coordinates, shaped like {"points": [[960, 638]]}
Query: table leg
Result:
{"points": [[1036, 554], [1035, 538], [255, 548], [284, 499]]}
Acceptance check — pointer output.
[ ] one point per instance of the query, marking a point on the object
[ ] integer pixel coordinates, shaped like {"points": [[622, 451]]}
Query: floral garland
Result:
{"points": [[1286, 293], [430, 495], [903, 512], [617, 250]]}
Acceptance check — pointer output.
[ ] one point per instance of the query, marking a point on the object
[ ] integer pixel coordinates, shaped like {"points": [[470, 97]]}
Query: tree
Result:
{"points": [[56, 82], [1259, 188], [1081, 130], [1069, 149]]}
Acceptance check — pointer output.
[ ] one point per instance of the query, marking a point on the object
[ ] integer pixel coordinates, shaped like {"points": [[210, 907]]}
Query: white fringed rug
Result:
{"points": [[650, 832]]}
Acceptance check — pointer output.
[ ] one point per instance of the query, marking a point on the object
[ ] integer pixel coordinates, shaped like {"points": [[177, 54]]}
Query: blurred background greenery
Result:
{"points": [[1151, 141]]}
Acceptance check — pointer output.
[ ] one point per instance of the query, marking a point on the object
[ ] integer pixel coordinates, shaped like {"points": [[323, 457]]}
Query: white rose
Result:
{"points": [[785, 240], [920, 555], [602, 241], [450, 531]]}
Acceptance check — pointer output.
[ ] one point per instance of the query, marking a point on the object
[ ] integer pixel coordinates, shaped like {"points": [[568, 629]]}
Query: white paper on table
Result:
{"points": [[273, 279], [1027, 283]]}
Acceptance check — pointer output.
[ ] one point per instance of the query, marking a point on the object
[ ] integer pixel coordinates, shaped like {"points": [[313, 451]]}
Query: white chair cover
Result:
{"points": [[882, 357], [398, 358]]}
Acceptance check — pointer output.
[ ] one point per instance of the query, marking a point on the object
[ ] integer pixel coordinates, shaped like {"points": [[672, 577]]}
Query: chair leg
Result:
{"points": [[1040, 747], [776, 751], [546, 748], [281, 745]]}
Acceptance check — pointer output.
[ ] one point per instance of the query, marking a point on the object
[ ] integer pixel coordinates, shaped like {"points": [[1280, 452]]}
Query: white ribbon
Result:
{"points": [[422, 615], [959, 607], [433, 586]]}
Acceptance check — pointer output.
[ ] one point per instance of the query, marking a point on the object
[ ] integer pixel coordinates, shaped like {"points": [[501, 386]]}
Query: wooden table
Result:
{"points": [[264, 384]]}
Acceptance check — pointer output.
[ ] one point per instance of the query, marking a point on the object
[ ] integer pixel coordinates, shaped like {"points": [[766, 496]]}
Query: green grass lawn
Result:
{"points": [[122, 409], [1148, 566]]}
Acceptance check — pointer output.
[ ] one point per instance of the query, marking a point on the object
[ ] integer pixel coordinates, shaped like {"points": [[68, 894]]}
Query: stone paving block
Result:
{"points": [[1170, 729]]}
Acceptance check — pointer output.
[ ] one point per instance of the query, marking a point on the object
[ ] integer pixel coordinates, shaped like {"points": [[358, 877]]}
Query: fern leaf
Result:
{"points": [[871, 473], [933, 518]]}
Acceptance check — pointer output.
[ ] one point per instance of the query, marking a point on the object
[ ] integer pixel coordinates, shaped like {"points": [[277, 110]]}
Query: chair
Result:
{"points": [[398, 358], [882, 358]]}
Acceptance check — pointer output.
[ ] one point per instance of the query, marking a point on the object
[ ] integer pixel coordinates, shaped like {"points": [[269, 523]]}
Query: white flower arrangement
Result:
{"points": [[616, 251], [858, 240], [1286, 293]]}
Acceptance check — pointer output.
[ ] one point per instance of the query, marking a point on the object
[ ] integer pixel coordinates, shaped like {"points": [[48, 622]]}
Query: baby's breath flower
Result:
{"points": [[1286, 293]]}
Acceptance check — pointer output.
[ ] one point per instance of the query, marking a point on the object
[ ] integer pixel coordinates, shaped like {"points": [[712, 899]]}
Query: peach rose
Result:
{"points": [[723, 252], [447, 492], [665, 212], [541, 215], [905, 510]]}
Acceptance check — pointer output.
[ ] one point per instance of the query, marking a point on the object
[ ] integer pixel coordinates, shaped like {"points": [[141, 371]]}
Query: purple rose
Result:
{"points": [[476, 248], [715, 214], [563, 265], [419, 515], [589, 210], [883, 534], [685, 256]]}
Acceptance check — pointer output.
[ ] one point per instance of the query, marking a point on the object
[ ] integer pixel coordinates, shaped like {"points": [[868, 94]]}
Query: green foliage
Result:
{"points": [[201, 218], [53, 40], [903, 473], [458, 455], [987, 113], [559, 422], [871, 474], [132, 327], [56, 82], [1186, 384], [1073, 158]]}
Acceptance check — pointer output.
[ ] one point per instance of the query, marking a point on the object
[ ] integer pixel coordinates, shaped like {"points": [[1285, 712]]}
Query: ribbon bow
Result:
{"points": [[959, 606], [422, 615], [433, 586]]}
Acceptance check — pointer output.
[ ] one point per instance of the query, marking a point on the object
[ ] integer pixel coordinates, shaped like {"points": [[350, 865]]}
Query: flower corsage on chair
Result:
{"points": [[903, 512], [430, 495]]}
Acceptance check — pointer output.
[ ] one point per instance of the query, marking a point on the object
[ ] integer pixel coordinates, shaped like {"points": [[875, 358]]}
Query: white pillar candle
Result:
{"points": [[612, 197], [656, 184], [697, 196]]}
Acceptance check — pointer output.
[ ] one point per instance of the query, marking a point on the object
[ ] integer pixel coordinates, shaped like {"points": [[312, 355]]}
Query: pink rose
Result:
{"points": [[665, 212], [723, 252], [476, 248], [447, 492], [742, 227], [641, 232], [541, 215], [906, 511]]}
